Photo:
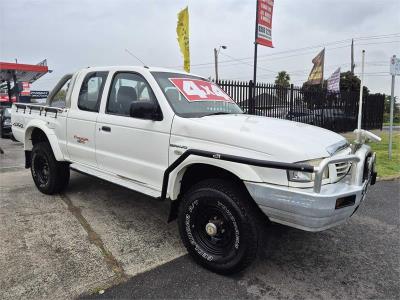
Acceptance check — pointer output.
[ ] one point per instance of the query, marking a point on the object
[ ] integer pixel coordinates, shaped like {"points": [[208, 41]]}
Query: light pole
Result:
{"points": [[216, 52]]}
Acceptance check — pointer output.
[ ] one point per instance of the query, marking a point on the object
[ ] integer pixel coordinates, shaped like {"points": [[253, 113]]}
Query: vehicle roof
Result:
{"points": [[139, 68]]}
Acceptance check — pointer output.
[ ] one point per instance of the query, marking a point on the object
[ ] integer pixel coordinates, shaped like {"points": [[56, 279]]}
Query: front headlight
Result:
{"points": [[7, 122], [299, 176]]}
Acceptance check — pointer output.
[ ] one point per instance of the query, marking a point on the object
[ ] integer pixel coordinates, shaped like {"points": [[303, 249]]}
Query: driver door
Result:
{"points": [[131, 148]]}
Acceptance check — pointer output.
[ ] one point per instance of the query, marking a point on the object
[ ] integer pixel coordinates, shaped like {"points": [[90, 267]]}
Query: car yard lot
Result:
{"points": [[99, 236]]}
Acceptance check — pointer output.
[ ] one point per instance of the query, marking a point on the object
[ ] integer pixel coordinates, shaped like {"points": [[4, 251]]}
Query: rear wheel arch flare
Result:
{"points": [[38, 135], [35, 135]]}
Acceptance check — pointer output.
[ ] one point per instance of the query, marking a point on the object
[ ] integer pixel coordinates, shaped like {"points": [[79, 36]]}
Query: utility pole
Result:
{"points": [[216, 53], [216, 64], [352, 57]]}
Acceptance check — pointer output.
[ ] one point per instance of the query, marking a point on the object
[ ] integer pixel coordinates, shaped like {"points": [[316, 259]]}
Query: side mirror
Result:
{"points": [[145, 110]]}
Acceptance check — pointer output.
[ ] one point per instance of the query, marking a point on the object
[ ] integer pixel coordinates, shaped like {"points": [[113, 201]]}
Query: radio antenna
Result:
{"points": [[133, 55]]}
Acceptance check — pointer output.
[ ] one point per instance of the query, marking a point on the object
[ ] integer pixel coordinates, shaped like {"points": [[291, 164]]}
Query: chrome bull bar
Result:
{"points": [[319, 170]]}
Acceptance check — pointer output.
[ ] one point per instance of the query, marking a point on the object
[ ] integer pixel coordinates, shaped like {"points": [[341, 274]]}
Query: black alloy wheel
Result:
{"points": [[50, 176], [40, 167], [217, 223]]}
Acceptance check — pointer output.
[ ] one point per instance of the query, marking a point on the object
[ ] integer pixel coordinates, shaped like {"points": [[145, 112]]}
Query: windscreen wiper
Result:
{"points": [[217, 113]]}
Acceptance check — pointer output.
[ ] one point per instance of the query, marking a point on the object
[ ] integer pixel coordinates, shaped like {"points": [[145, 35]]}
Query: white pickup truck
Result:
{"points": [[179, 137]]}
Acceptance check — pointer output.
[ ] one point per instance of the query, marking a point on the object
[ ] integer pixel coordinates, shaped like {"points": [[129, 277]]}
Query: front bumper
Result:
{"points": [[316, 209]]}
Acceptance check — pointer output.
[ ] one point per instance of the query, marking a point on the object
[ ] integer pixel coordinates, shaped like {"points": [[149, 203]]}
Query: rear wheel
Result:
{"points": [[218, 227], [50, 176]]}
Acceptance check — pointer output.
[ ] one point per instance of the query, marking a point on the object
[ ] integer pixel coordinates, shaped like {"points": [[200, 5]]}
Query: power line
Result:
{"points": [[305, 72], [382, 36], [238, 61], [312, 47], [248, 64]]}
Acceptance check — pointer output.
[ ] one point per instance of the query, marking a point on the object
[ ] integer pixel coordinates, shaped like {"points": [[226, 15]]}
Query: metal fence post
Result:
{"points": [[251, 97], [337, 114], [291, 102]]}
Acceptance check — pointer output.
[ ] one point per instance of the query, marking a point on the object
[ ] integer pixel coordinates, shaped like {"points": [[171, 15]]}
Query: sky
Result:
{"points": [[76, 34]]}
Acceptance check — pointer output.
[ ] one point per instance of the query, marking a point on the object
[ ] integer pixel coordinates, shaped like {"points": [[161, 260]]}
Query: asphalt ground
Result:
{"points": [[101, 241]]}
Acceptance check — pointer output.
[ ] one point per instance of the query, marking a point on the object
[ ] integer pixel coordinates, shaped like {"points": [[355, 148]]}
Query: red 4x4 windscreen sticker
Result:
{"points": [[200, 90]]}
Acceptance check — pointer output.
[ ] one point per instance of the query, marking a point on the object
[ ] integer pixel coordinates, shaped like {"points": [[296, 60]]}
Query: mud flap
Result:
{"points": [[28, 159]]}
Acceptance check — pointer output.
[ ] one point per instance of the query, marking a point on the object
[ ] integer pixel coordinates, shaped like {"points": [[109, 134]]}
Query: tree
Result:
{"points": [[350, 82], [396, 111], [387, 104], [282, 79]]}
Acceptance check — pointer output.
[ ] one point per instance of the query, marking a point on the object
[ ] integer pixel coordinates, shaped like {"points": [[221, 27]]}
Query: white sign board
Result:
{"points": [[334, 82], [394, 66]]}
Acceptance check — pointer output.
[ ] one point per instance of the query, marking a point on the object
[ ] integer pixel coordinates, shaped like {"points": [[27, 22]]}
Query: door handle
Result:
{"points": [[106, 128]]}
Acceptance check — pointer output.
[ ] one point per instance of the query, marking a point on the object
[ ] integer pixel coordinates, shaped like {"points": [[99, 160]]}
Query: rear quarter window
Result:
{"points": [[91, 91]]}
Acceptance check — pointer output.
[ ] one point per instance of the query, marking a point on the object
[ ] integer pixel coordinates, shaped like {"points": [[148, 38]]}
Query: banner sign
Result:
{"points": [[182, 30], [394, 66], [317, 73], [264, 22], [39, 94], [26, 89], [4, 98], [334, 82], [200, 90]]}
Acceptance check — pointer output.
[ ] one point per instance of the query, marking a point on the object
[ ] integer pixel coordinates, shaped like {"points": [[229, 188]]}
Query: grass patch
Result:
{"points": [[384, 166], [394, 124]]}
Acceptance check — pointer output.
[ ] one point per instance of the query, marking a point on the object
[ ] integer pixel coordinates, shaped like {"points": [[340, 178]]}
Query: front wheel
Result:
{"points": [[218, 227], [50, 176]]}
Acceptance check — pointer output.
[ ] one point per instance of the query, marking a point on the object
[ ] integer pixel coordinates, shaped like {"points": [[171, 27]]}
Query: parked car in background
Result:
{"points": [[302, 115], [335, 119], [5, 122]]}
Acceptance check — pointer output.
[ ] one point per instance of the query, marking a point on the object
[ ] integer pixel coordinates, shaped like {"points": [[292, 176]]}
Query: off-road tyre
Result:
{"points": [[227, 205], [50, 176]]}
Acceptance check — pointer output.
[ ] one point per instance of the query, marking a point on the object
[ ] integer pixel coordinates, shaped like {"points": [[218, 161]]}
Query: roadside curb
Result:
{"points": [[389, 178]]}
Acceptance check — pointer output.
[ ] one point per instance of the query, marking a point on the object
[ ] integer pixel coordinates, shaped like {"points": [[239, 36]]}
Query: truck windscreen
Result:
{"points": [[191, 96]]}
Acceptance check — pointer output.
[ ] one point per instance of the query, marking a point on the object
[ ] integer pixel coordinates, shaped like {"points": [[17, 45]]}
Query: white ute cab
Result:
{"points": [[178, 137]]}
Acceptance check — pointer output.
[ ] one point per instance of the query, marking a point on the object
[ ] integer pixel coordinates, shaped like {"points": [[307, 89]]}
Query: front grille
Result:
{"points": [[342, 168]]}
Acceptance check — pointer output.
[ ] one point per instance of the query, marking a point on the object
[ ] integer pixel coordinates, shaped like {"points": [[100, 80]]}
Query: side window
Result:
{"points": [[59, 98], [91, 91], [125, 89]]}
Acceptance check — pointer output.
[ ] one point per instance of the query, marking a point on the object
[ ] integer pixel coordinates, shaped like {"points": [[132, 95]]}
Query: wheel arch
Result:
{"points": [[35, 133], [235, 170], [193, 172]]}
